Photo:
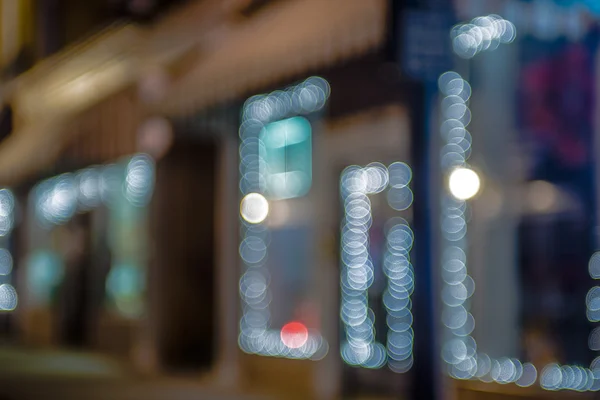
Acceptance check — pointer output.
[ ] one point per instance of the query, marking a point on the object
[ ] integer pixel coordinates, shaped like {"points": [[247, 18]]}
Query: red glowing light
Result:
{"points": [[294, 335]]}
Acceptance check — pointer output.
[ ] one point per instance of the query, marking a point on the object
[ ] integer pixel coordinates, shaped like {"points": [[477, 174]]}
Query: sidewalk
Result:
{"points": [[49, 375]]}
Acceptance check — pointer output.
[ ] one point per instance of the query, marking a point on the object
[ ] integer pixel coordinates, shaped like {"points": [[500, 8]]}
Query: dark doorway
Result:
{"points": [[183, 261], [74, 242]]}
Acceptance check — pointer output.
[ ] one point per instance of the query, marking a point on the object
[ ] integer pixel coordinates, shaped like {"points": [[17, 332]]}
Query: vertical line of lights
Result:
{"points": [[460, 349], [256, 335], [592, 303], [358, 273], [8, 294], [399, 272]]}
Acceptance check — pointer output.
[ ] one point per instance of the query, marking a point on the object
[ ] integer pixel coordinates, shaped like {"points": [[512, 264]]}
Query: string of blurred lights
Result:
{"points": [[294, 340], [460, 348], [8, 294], [481, 34], [543, 19], [592, 303], [357, 270], [58, 199]]}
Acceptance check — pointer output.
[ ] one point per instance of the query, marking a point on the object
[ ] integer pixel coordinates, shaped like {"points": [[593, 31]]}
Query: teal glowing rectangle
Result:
{"points": [[286, 152]]}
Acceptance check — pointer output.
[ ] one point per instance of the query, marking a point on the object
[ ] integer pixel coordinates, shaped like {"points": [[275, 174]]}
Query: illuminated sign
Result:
{"points": [[287, 153], [360, 268], [276, 163]]}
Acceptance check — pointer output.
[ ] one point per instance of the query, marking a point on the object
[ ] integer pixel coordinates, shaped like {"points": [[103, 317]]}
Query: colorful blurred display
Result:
{"points": [[300, 199]]}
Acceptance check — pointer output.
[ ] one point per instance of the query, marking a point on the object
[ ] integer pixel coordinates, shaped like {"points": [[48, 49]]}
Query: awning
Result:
{"points": [[50, 98], [233, 57], [288, 38]]}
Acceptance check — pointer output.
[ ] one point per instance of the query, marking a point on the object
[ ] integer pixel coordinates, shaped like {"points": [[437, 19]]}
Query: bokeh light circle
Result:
{"points": [[254, 208], [294, 335], [464, 183], [8, 297]]}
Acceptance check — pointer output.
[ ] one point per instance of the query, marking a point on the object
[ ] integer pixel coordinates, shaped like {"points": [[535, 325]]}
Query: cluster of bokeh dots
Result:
{"points": [[460, 349], [357, 273], [269, 342], [254, 208], [570, 377], [58, 199], [8, 294], [456, 116], [256, 335], [139, 180], [592, 303], [260, 110], [304, 98], [481, 34], [7, 208], [505, 370], [396, 298], [360, 347], [592, 377]]}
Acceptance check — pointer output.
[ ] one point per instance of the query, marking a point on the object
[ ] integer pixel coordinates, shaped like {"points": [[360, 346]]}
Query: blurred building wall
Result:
{"points": [[107, 131], [495, 230], [182, 291], [17, 25]]}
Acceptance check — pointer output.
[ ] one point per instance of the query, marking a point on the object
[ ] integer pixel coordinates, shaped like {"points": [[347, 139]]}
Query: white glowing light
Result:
{"points": [[254, 208], [464, 183]]}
